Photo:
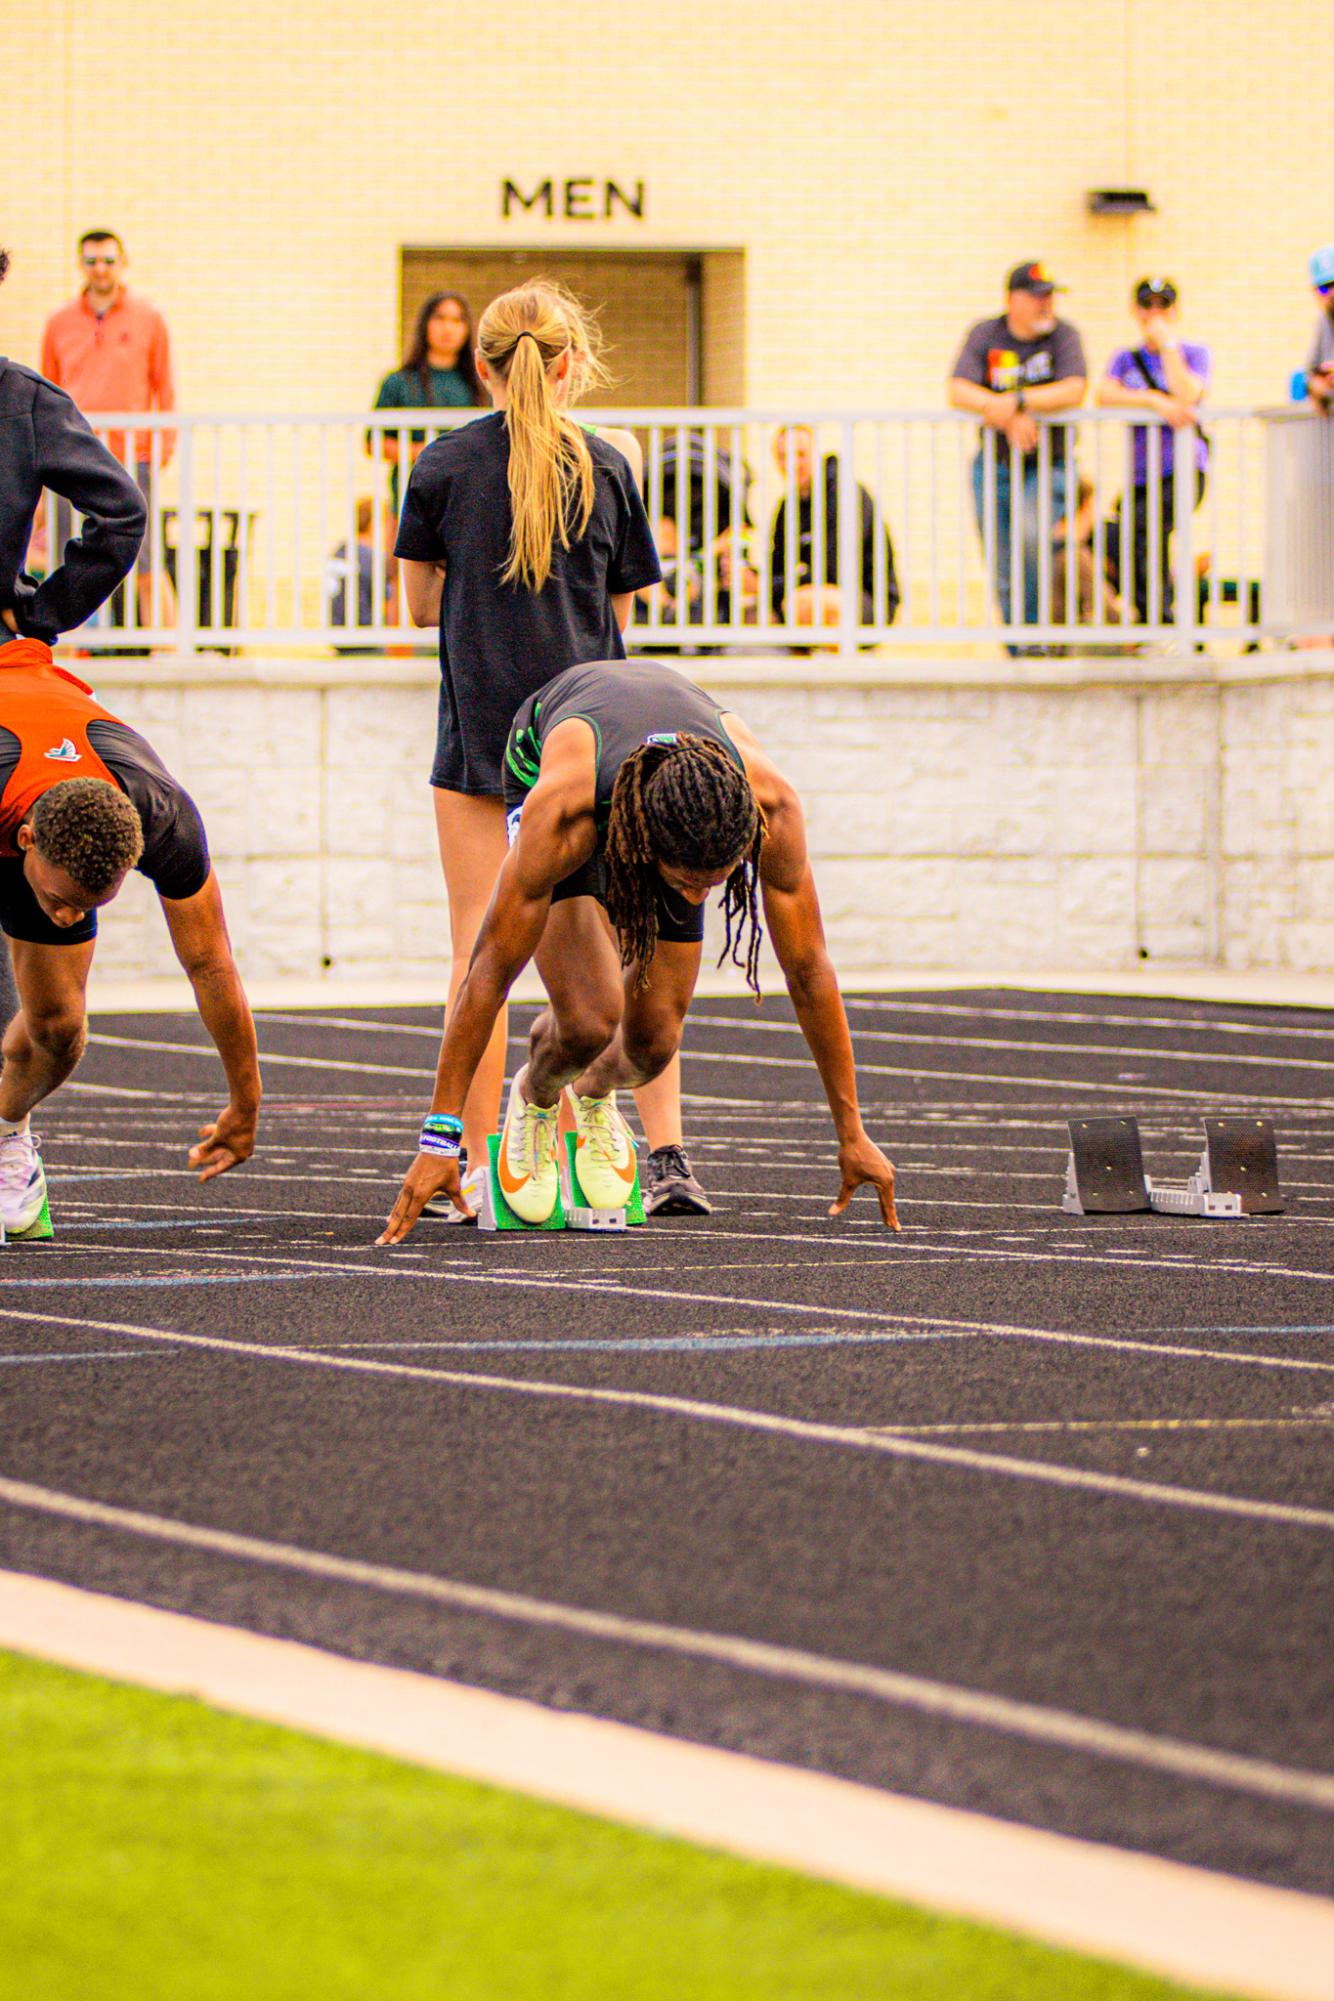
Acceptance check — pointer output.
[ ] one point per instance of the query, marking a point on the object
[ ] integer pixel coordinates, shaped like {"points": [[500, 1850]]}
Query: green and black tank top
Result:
{"points": [[625, 705]]}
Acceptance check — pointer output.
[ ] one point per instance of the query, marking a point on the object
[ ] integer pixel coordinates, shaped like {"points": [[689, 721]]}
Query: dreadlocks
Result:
{"points": [[689, 804]]}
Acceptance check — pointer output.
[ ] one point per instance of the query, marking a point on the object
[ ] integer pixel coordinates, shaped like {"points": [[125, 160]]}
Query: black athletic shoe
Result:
{"points": [[670, 1188]]}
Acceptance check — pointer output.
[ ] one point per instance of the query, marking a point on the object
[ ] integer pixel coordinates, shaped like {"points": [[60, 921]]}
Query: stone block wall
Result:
{"points": [[1026, 815]]}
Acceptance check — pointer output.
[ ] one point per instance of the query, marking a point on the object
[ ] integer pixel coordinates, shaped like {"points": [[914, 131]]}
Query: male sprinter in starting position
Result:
{"points": [[631, 797], [83, 800]]}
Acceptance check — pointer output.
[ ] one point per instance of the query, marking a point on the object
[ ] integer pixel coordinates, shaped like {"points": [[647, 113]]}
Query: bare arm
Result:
{"points": [[1067, 394], [792, 913], [423, 584], [199, 936], [557, 833], [994, 407]]}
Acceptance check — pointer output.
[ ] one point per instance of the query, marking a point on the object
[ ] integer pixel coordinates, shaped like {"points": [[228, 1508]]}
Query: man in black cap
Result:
{"points": [[1168, 376], [1024, 364]]}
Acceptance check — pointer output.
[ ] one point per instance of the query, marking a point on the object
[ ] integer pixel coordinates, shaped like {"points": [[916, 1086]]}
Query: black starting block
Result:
{"points": [[1104, 1175], [1237, 1174]]}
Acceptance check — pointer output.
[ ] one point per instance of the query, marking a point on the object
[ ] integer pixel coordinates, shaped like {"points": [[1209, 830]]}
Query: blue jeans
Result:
{"points": [[1029, 531]]}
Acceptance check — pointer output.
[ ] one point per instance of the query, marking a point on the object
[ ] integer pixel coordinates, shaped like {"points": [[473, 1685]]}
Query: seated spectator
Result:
{"points": [[1023, 364], [1320, 361], [1091, 583], [438, 372], [1168, 376], [708, 495], [359, 562], [811, 595]]}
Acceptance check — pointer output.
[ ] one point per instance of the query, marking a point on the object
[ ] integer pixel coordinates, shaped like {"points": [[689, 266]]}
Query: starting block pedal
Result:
{"points": [[1104, 1175], [1237, 1174], [494, 1212], [579, 1214], [39, 1232]]}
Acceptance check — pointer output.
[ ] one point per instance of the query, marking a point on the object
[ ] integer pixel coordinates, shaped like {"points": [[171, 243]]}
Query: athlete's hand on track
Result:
{"points": [[226, 1143], [858, 1161], [430, 1174]]}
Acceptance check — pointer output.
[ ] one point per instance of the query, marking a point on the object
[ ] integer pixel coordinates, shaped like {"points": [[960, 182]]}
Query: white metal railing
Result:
{"points": [[294, 522]]}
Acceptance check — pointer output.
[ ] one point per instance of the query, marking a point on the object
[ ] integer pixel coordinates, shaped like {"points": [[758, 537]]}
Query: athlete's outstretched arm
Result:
{"points": [[792, 912], [557, 834], [199, 935]]}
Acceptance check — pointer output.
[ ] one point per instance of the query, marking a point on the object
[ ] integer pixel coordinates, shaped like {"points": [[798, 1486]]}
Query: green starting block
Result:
{"points": [[573, 1211], [39, 1232], [494, 1212]]}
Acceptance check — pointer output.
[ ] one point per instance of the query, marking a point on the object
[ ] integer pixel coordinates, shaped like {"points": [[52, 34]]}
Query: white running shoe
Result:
{"points": [[22, 1182], [441, 1210], [526, 1163], [604, 1153]]}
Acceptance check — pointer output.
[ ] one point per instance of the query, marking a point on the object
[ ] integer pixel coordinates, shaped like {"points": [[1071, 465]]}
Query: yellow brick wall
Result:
{"points": [[881, 163]]}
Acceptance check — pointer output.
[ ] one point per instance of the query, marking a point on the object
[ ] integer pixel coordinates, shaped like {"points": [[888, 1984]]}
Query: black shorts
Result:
{"points": [[22, 916], [680, 922]]}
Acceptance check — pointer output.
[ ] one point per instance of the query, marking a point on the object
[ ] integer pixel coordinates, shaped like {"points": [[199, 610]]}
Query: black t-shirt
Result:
{"points": [[175, 857], [500, 643], [993, 358], [625, 706]]}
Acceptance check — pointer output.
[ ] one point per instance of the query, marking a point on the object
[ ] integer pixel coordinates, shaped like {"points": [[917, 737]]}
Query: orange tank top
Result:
{"points": [[48, 711]]}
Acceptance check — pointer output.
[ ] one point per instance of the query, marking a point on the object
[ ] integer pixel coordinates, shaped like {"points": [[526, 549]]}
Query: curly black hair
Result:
{"points": [[88, 828], [687, 803]]}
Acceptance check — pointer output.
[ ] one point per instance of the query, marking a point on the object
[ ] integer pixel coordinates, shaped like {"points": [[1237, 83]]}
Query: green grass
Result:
{"points": [[152, 1849]]}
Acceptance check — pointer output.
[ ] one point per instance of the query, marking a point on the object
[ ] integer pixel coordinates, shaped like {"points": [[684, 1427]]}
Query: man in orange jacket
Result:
{"points": [[83, 800]]}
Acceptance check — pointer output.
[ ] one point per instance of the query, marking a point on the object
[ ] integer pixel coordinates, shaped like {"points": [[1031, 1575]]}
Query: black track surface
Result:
{"points": [[1129, 1525]]}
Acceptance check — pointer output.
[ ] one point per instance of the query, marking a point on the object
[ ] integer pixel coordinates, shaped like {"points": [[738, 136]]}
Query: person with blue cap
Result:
{"points": [[1320, 361]]}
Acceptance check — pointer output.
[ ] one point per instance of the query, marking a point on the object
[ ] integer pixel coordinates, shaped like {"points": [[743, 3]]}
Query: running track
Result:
{"points": [[1019, 1512]]}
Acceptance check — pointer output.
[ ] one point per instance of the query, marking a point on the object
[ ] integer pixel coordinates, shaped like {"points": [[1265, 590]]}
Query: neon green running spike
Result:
{"points": [[36, 1233], [494, 1212]]}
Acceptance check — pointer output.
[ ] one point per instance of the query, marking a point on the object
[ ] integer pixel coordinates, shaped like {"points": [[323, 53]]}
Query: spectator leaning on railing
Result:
{"points": [[109, 350], [1024, 364], [1320, 361], [1170, 377]]}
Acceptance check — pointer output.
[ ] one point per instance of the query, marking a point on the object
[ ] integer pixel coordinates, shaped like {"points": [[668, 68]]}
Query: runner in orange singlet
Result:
{"points": [[83, 799]]}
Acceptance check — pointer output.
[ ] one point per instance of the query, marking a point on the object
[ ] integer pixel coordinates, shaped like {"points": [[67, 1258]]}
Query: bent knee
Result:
{"points": [[649, 1049], [61, 1036]]}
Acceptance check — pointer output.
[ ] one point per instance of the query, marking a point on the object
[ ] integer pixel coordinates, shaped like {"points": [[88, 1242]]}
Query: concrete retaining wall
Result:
{"points": [[1033, 814]]}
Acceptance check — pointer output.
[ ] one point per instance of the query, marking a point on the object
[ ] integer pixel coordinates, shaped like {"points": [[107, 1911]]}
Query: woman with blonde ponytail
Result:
{"points": [[524, 537]]}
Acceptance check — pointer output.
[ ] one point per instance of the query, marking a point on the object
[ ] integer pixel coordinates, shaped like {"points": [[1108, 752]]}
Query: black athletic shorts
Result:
{"points": [[22, 916], [680, 922]]}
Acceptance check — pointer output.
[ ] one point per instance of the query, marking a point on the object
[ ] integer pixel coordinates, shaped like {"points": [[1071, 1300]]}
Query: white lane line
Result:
{"points": [[1036, 1722], [1210, 1930], [1262, 1029], [266, 1056], [692, 1055], [1294, 1421], [981, 1329], [1024, 1044], [856, 1438]]}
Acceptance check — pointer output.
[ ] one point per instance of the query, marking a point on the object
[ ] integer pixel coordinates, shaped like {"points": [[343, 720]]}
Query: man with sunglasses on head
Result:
{"points": [[109, 350], [1320, 361]]}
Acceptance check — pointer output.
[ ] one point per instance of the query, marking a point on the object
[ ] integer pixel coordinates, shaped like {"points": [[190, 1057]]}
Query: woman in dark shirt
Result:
{"points": [[438, 372], [525, 537]]}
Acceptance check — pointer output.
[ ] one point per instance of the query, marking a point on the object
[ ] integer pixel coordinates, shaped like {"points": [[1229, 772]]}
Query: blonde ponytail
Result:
{"points": [[521, 336]]}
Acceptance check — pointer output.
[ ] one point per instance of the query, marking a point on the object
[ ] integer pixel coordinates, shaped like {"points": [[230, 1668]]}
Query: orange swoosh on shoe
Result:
{"points": [[512, 1184], [627, 1173]]}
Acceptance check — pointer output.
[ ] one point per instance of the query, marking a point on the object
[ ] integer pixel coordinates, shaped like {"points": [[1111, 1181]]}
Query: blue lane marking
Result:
{"points": [[93, 1355]]}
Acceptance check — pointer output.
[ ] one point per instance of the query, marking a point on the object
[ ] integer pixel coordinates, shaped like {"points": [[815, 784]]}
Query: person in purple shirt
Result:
{"points": [[1168, 376]]}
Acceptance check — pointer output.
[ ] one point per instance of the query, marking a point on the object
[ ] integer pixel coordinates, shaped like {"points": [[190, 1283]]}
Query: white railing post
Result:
{"points": [[1185, 608], [849, 541], [187, 546]]}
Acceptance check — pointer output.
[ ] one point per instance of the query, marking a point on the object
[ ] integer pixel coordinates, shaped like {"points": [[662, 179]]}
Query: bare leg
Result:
{"points": [[46, 1038], [659, 1105], [581, 972], [471, 833], [649, 1036]]}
